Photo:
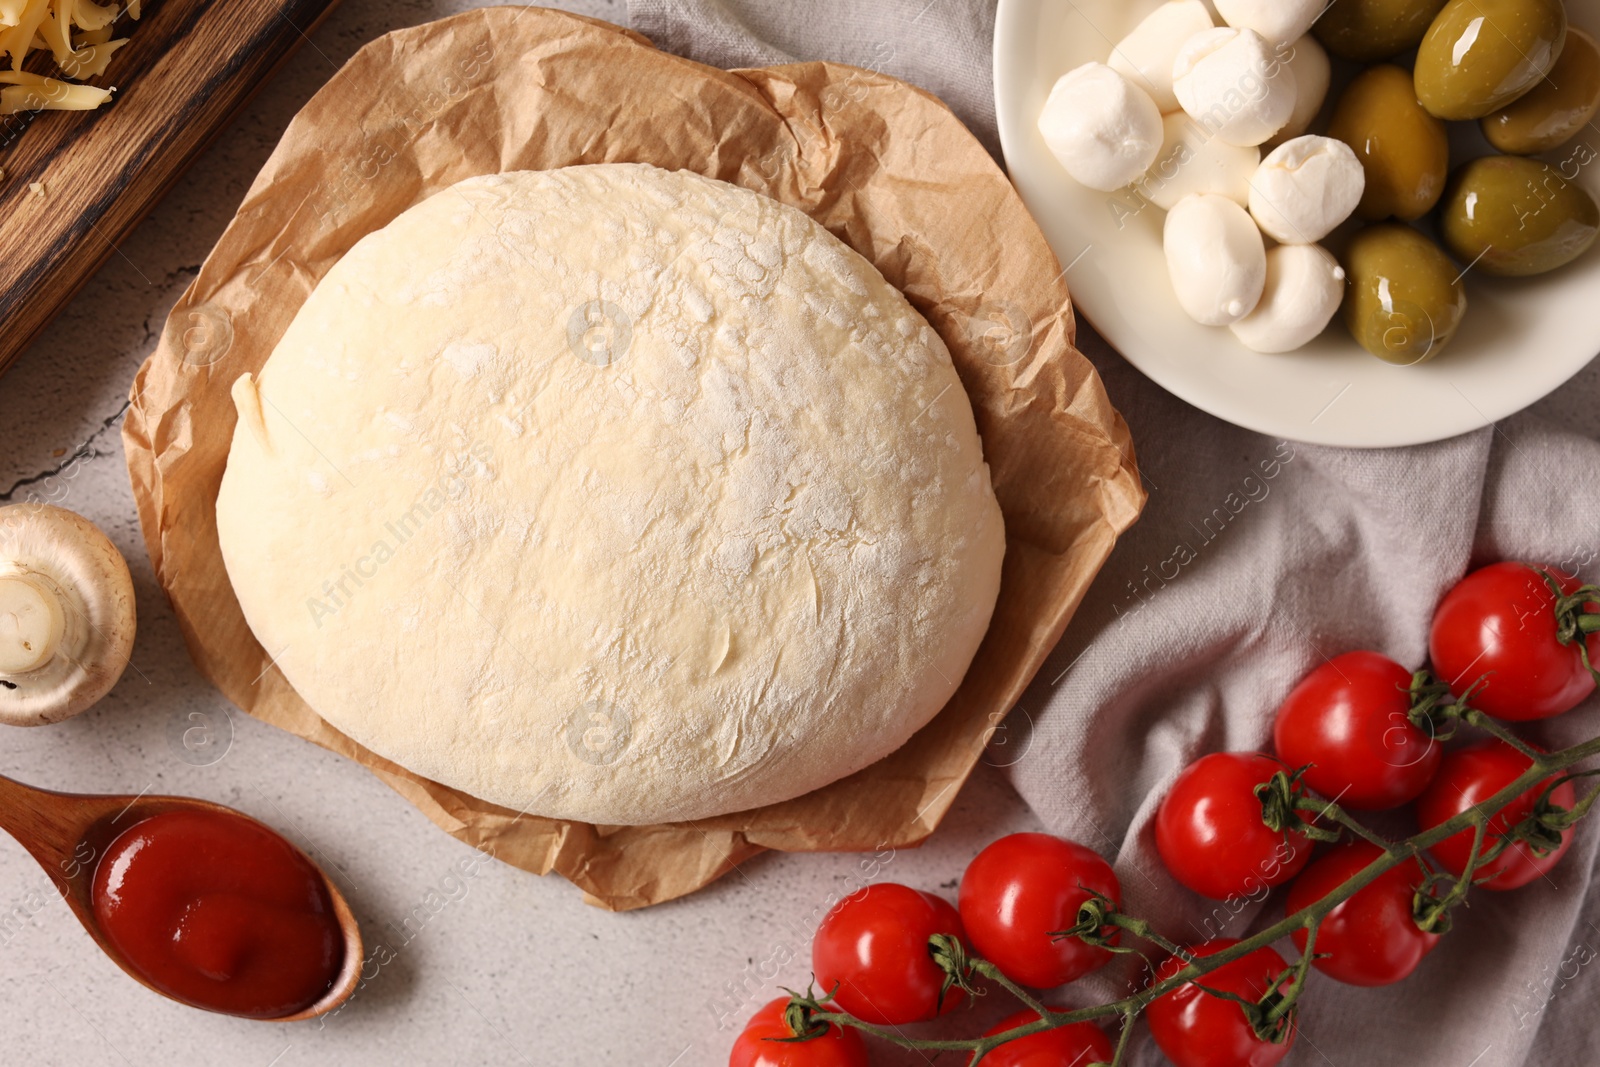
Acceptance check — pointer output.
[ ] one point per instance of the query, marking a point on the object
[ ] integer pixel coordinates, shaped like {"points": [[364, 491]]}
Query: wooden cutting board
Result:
{"points": [[189, 66]]}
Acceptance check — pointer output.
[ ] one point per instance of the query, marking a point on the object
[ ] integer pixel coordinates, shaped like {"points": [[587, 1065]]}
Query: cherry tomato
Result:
{"points": [[1470, 776], [1499, 624], [1074, 1045], [873, 946], [1210, 834], [1371, 939], [763, 1044], [1196, 1029], [1349, 721], [1023, 888]]}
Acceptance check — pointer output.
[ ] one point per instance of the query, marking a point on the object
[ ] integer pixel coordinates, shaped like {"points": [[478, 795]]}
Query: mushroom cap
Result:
{"points": [[61, 553]]}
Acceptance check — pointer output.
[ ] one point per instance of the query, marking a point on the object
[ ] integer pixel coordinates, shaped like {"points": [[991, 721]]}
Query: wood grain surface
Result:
{"points": [[188, 67]]}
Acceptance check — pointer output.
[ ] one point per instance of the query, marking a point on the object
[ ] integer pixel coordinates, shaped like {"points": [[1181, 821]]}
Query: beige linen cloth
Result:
{"points": [[1255, 559]]}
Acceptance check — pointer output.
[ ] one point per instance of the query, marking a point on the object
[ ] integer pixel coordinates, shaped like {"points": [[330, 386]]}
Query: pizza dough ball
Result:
{"points": [[612, 494]]}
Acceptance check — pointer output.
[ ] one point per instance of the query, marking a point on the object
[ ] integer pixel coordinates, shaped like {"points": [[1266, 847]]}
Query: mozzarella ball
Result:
{"points": [[1312, 71], [1192, 163], [1305, 189], [1217, 259], [1101, 127], [1235, 85], [1279, 21], [1145, 57], [1305, 286]]}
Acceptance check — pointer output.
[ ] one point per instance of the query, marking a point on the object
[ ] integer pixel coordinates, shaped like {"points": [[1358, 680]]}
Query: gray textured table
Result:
{"points": [[497, 967], [491, 968]]}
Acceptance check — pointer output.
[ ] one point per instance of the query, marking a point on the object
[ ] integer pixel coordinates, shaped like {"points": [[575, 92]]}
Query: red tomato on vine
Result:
{"points": [[1196, 1029], [1532, 648], [1372, 938], [766, 1043], [1074, 1045], [1348, 723], [1473, 774], [1211, 834], [1025, 887], [871, 951]]}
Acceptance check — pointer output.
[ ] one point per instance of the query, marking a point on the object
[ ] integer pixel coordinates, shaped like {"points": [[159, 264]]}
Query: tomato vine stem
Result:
{"points": [[1475, 818], [1120, 1056], [1335, 813], [1433, 706], [1144, 931], [1474, 717], [991, 972]]}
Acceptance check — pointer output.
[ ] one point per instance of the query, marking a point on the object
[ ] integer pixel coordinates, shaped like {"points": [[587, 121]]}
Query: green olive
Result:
{"points": [[1512, 217], [1404, 299], [1480, 55], [1372, 30], [1404, 150], [1559, 107]]}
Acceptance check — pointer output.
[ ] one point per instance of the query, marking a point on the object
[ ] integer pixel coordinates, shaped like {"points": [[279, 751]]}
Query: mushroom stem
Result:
{"points": [[32, 621]]}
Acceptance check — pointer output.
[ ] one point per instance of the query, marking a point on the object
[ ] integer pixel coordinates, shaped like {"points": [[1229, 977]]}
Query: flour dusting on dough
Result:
{"points": [[616, 495]]}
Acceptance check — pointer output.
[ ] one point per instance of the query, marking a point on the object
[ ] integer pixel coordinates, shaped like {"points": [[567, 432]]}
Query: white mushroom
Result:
{"points": [[66, 614]]}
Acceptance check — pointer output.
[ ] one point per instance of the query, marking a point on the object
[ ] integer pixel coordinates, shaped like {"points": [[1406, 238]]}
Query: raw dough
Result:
{"points": [[612, 494]]}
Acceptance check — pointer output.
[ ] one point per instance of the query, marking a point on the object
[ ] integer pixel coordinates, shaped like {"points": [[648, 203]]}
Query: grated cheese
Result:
{"points": [[78, 35]]}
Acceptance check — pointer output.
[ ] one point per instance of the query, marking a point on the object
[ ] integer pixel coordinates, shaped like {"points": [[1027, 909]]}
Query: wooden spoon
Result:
{"points": [[68, 832]]}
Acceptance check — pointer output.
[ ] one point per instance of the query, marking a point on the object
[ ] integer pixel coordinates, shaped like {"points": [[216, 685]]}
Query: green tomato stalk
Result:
{"points": [[1272, 1017], [1574, 621]]}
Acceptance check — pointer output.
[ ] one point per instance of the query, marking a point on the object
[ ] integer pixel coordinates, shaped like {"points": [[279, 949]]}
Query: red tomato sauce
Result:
{"points": [[219, 912]]}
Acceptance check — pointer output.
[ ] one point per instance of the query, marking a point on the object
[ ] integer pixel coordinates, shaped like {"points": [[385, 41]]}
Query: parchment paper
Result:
{"points": [[881, 164]]}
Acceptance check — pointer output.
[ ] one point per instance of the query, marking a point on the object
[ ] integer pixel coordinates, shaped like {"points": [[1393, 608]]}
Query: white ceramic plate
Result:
{"points": [[1521, 339]]}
